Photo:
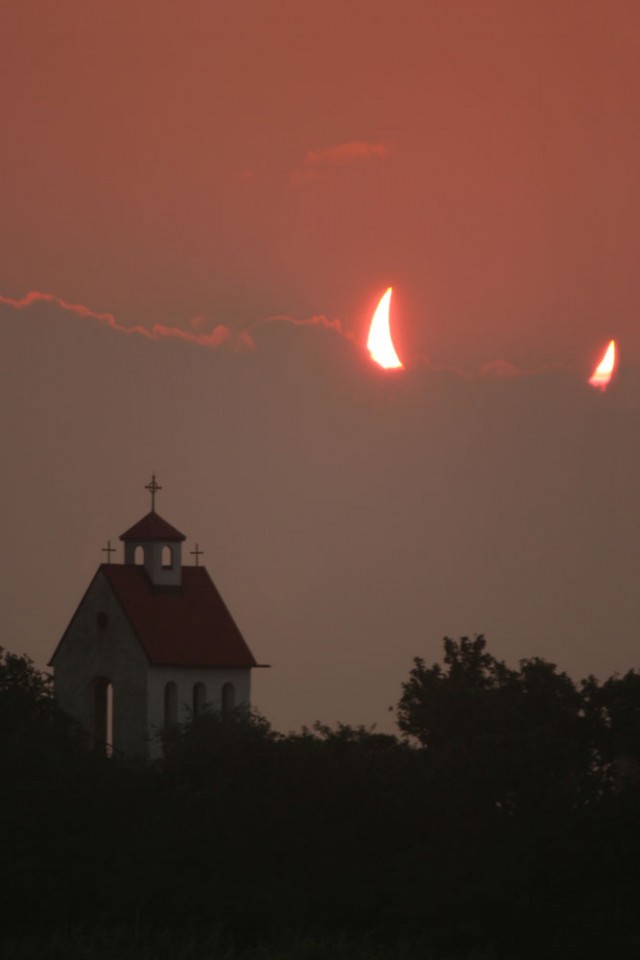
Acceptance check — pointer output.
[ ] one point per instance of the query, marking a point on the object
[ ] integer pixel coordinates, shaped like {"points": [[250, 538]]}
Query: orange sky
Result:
{"points": [[185, 170]]}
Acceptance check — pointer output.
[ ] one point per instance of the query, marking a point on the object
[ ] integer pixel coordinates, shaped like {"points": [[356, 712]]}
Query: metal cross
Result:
{"points": [[153, 488], [198, 552], [108, 550]]}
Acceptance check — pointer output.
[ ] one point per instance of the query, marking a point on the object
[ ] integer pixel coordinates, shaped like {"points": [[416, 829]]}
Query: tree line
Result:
{"points": [[504, 817]]}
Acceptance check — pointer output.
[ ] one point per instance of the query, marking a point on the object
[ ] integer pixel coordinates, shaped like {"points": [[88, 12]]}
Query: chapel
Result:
{"points": [[150, 644]]}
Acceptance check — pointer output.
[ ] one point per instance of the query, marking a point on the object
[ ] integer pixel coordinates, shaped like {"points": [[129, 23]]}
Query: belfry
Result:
{"points": [[150, 644]]}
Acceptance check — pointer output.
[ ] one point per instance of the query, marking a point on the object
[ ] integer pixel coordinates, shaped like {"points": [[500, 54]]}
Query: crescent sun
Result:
{"points": [[379, 342]]}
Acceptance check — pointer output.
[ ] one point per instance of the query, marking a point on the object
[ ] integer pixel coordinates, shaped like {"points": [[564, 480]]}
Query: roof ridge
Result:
{"points": [[152, 527]]}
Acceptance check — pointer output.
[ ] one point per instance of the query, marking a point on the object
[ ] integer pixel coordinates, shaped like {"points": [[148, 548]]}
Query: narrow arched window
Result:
{"points": [[103, 716], [170, 704], [109, 737], [199, 698], [138, 555], [228, 697], [167, 557]]}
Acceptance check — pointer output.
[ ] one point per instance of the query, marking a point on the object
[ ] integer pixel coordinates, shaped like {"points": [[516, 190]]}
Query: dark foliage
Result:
{"points": [[504, 822], [512, 740]]}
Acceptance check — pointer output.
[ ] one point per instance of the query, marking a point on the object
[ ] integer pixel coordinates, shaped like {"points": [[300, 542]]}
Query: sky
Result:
{"points": [[199, 210]]}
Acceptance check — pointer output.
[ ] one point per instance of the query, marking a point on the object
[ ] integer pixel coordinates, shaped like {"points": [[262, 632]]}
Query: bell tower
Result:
{"points": [[156, 544]]}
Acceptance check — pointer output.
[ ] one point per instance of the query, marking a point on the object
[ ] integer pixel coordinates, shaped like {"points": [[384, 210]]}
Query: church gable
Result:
{"points": [[99, 630]]}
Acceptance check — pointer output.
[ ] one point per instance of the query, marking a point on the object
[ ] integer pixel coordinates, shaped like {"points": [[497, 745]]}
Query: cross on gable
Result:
{"points": [[197, 552], [153, 488], [108, 550]]}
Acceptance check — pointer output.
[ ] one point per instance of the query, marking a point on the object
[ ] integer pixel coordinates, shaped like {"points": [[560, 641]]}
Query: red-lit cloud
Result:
{"points": [[505, 370], [493, 370], [221, 334], [319, 162], [242, 338], [500, 370], [316, 321]]}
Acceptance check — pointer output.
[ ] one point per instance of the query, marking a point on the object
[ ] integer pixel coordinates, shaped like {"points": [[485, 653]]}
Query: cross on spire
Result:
{"points": [[153, 488], [198, 553], [108, 550]]}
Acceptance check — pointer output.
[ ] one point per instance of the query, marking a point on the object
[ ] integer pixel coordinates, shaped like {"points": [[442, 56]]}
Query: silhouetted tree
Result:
{"points": [[492, 808], [618, 702], [32, 727], [442, 706], [502, 738], [25, 692]]}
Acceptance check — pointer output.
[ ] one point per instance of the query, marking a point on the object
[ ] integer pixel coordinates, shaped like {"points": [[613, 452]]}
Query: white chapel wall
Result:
{"points": [[185, 678], [100, 643]]}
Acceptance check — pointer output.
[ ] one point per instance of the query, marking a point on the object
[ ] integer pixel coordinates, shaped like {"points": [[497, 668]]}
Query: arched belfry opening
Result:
{"points": [[101, 690]]}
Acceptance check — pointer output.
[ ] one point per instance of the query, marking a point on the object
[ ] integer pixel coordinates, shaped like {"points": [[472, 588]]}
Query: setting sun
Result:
{"points": [[601, 376], [379, 342]]}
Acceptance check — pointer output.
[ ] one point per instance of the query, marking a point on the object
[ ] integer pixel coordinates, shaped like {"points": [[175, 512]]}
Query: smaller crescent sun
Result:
{"points": [[379, 342], [601, 376]]}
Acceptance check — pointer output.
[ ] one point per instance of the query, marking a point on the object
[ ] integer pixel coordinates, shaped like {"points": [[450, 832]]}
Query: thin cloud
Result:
{"points": [[320, 162], [505, 370], [501, 370], [320, 320], [343, 152], [241, 339], [221, 335], [498, 369]]}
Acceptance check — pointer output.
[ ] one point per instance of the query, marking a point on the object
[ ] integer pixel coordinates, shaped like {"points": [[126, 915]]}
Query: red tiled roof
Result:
{"points": [[152, 527], [186, 626]]}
